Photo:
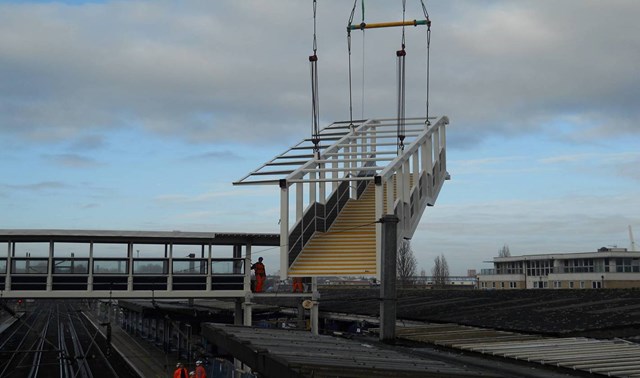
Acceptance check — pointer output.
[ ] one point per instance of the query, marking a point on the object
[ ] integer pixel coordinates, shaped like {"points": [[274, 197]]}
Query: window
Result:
{"points": [[557, 284], [581, 284], [514, 267], [513, 285], [627, 265], [502, 285], [570, 284], [583, 266], [493, 285], [539, 267], [596, 284]]}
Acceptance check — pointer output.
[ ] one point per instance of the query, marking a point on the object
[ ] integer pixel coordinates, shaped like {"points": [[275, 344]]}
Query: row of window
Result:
{"points": [[541, 285], [121, 266], [545, 267]]}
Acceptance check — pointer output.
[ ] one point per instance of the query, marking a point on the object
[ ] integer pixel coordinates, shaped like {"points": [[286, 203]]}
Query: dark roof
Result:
{"points": [[293, 353], [564, 312], [151, 237]]}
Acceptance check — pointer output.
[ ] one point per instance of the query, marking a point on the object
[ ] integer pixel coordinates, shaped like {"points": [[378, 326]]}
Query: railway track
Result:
{"points": [[55, 339]]}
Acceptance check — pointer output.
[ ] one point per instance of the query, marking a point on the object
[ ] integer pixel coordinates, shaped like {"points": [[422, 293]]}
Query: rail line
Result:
{"points": [[55, 339]]}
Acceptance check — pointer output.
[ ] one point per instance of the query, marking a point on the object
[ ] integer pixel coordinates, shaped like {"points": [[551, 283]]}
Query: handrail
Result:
{"points": [[398, 161]]}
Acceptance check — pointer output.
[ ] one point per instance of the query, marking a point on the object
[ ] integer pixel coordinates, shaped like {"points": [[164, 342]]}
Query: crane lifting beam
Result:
{"points": [[376, 25]]}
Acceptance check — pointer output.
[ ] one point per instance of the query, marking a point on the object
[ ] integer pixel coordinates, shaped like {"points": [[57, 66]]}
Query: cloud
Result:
{"points": [[38, 187], [72, 160], [216, 155], [206, 197], [470, 233], [193, 71]]}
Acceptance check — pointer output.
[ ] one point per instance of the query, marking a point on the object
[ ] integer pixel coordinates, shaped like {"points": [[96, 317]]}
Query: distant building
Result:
{"points": [[611, 268], [452, 282], [471, 273]]}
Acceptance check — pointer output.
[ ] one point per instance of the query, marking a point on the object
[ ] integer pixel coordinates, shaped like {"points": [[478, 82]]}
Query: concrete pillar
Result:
{"points": [[300, 320], [247, 310], [315, 296], [237, 313], [388, 293]]}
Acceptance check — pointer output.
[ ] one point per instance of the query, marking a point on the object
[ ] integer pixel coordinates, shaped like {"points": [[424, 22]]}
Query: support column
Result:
{"points": [[130, 272], [247, 269], [50, 268], [299, 201], [315, 296], [300, 319], [237, 312], [388, 293], [247, 310], [284, 229], [90, 269], [11, 250]]}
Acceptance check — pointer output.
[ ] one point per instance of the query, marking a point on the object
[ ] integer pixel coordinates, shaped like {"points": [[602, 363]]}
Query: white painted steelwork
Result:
{"points": [[407, 180], [51, 272]]}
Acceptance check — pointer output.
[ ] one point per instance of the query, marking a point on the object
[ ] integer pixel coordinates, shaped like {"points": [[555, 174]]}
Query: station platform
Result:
{"points": [[145, 358], [6, 321]]}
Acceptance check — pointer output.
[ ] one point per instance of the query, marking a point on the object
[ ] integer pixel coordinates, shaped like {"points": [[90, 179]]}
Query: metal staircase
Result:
{"points": [[335, 195], [348, 247]]}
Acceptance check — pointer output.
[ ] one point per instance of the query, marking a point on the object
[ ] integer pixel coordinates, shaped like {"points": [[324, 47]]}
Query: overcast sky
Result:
{"points": [[138, 115]]}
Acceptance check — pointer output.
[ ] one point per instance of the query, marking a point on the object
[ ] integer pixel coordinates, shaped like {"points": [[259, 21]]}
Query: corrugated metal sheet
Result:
{"points": [[614, 358], [292, 353]]}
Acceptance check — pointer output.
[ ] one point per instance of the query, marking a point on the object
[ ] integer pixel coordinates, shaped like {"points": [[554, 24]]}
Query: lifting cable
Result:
{"points": [[401, 54], [361, 26], [426, 16], [315, 101], [353, 11]]}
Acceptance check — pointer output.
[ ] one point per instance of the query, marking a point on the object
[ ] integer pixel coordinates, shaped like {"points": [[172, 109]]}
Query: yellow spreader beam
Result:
{"points": [[375, 25]]}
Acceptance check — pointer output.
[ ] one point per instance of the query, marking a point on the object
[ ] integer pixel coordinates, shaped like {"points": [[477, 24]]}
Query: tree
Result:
{"points": [[406, 264], [440, 271], [504, 251]]}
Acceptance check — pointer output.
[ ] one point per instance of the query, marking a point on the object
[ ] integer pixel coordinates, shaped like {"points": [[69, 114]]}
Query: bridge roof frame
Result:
{"points": [[145, 237]]}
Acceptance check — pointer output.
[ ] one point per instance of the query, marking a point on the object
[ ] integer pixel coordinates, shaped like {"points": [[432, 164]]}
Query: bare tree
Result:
{"points": [[504, 251], [440, 271], [406, 263]]}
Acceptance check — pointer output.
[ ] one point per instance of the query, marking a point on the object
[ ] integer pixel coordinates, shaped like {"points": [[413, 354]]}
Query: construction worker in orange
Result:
{"points": [[297, 285], [200, 371], [180, 372], [261, 274]]}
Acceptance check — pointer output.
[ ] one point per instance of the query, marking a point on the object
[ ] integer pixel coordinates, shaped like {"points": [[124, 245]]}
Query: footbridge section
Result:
{"points": [[127, 264], [336, 188]]}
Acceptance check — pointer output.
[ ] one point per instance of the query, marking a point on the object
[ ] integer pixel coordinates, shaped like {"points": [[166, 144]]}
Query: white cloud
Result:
{"points": [[505, 67]]}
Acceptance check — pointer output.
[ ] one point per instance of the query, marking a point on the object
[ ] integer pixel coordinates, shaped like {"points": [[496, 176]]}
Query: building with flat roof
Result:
{"points": [[611, 268]]}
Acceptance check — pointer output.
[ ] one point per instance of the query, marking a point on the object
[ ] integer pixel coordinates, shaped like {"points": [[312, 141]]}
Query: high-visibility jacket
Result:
{"points": [[200, 372], [181, 372], [259, 268]]}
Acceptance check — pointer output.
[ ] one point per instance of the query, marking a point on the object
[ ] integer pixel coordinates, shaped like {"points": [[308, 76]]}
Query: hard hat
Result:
{"points": [[179, 364], [198, 362]]}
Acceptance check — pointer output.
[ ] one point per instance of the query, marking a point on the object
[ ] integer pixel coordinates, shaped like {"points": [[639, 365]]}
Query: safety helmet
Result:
{"points": [[198, 362]]}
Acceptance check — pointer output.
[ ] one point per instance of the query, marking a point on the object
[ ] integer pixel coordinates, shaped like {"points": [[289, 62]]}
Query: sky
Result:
{"points": [[139, 115]]}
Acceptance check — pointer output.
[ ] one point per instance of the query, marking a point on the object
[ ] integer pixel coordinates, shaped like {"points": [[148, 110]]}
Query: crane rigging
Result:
{"points": [[401, 72], [401, 56]]}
